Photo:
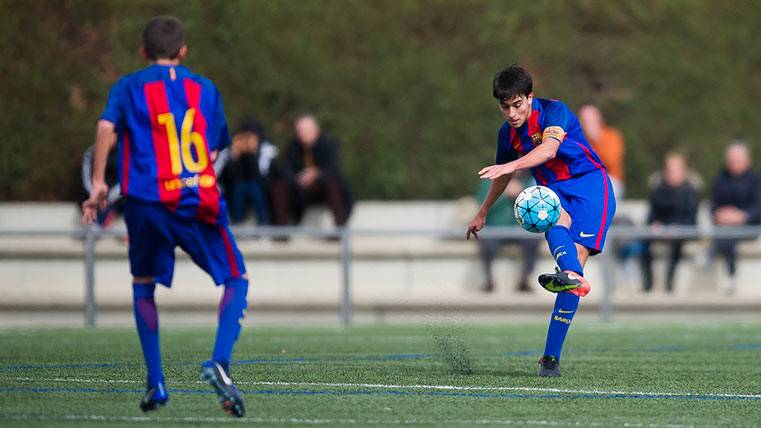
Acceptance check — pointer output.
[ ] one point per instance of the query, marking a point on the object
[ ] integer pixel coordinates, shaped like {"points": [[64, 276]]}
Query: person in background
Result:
{"points": [[735, 201], [115, 207], [245, 175], [608, 143], [310, 176], [674, 199], [502, 214]]}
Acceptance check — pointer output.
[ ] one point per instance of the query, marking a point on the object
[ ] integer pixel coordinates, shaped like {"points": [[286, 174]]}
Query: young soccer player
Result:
{"points": [[168, 125], [544, 136]]}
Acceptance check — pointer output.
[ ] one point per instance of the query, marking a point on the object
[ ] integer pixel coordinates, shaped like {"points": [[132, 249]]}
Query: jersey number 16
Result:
{"points": [[180, 149]]}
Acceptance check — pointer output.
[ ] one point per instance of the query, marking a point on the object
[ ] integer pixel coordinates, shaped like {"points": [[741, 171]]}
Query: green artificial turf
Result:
{"points": [[650, 374]]}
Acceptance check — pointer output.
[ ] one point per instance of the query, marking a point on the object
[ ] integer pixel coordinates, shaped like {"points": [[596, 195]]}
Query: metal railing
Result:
{"points": [[91, 234]]}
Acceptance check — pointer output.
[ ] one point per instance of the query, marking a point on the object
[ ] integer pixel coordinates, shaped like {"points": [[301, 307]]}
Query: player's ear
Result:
{"points": [[143, 53], [182, 53], [530, 96]]}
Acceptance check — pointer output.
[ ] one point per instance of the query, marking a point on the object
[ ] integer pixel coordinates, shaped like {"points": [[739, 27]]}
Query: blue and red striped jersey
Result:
{"points": [[575, 156], [169, 121]]}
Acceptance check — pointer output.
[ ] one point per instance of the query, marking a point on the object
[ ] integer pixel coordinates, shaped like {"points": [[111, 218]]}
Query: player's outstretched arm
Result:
{"points": [[105, 140], [496, 189], [540, 154]]}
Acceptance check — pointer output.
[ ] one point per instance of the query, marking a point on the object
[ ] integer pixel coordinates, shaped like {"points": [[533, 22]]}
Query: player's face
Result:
{"points": [[516, 110]]}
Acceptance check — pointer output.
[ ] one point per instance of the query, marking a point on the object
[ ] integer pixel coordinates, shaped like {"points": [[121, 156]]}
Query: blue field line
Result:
{"points": [[392, 357], [369, 357], [525, 353], [20, 367], [746, 346], [264, 361], [391, 392], [291, 360], [665, 348]]}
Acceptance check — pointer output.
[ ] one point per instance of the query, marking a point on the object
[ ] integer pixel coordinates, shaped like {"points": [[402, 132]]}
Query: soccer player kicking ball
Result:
{"points": [[168, 125], [544, 136]]}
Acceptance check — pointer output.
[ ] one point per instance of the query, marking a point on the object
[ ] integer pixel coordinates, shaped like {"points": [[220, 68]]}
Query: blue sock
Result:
{"points": [[565, 308], [231, 310], [563, 249], [147, 321]]}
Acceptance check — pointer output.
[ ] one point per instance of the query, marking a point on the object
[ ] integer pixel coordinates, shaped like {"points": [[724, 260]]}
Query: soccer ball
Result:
{"points": [[537, 209]]}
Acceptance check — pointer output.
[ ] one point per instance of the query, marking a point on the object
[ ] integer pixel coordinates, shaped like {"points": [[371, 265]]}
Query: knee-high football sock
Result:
{"points": [[565, 308], [147, 321], [563, 249], [231, 310]]}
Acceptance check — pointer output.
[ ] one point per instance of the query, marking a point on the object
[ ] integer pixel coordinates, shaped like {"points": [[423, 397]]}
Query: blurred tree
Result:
{"points": [[405, 85]]}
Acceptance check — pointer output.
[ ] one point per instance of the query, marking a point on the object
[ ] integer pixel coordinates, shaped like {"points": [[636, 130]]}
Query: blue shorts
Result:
{"points": [[590, 202], [154, 233]]}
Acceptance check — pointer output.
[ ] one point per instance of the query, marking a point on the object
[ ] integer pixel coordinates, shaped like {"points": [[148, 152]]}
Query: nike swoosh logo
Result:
{"points": [[586, 235], [560, 311]]}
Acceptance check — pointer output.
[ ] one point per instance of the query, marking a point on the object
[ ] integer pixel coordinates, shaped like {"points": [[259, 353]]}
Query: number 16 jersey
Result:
{"points": [[169, 121]]}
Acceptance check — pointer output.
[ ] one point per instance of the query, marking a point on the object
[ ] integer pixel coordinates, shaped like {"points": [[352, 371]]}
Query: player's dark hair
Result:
{"points": [[163, 37], [512, 81], [252, 126]]}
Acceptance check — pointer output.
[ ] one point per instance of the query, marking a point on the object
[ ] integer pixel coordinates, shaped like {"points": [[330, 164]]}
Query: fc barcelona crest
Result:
{"points": [[536, 138]]}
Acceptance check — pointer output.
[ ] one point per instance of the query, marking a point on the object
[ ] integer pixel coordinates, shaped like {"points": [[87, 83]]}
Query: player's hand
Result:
{"points": [[98, 200], [475, 226], [496, 171]]}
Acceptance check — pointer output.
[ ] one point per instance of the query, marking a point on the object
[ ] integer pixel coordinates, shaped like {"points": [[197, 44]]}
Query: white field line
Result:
{"points": [[321, 421], [423, 387]]}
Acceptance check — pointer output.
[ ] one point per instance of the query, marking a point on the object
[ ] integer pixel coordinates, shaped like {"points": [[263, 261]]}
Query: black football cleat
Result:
{"points": [[154, 398], [549, 366], [229, 396], [560, 281]]}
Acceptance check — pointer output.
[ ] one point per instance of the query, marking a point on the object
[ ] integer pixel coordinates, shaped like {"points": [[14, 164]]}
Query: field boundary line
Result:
{"points": [[320, 421], [423, 387]]}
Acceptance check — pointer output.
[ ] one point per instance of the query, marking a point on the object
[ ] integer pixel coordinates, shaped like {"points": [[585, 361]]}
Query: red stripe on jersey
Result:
{"points": [[533, 128], [540, 176], [556, 165], [515, 141], [605, 194], [560, 169], [125, 163], [234, 271], [208, 191], [158, 103]]}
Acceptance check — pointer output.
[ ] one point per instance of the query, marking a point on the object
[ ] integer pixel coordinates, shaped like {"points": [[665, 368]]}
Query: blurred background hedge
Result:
{"points": [[405, 85]]}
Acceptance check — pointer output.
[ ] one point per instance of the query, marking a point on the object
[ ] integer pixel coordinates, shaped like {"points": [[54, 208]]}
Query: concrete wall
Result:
{"points": [[387, 270]]}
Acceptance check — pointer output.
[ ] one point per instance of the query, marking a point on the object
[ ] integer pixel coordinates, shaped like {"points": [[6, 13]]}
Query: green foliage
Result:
{"points": [[405, 85]]}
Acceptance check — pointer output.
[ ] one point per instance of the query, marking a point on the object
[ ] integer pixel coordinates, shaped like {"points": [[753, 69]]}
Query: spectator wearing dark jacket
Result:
{"points": [[245, 173], [673, 200], [735, 201], [310, 176]]}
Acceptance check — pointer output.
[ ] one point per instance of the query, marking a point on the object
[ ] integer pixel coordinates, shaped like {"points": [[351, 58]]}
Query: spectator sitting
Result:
{"points": [[608, 144], [501, 214], [115, 206], [735, 201], [674, 200], [310, 176], [245, 172]]}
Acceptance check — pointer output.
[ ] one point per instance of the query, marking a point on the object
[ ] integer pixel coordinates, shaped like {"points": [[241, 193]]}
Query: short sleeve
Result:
{"points": [[557, 114], [505, 151], [114, 110], [219, 137]]}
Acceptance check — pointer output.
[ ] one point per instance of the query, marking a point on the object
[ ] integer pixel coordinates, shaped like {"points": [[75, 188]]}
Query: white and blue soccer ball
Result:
{"points": [[537, 209]]}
